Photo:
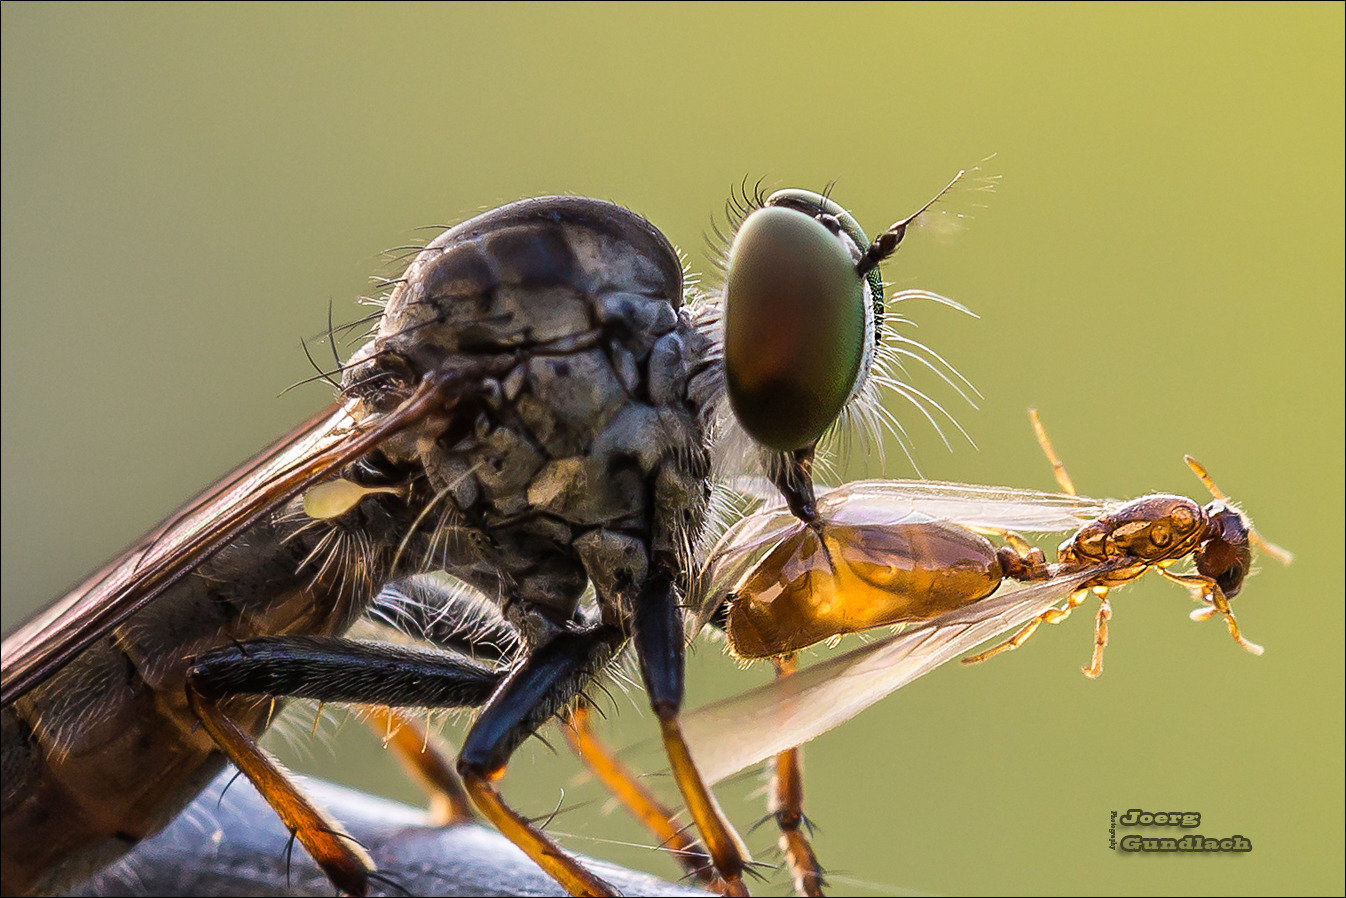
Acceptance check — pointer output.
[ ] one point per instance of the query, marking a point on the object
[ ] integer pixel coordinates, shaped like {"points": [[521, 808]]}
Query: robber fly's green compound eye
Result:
{"points": [[817, 205], [795, 318]]}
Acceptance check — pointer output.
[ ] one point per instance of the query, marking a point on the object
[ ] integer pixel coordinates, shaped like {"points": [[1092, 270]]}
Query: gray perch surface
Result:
{"points": [[236, 845]]}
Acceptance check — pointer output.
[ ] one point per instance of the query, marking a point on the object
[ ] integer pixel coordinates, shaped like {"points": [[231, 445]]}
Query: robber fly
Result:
{"points": [[538, 413]]}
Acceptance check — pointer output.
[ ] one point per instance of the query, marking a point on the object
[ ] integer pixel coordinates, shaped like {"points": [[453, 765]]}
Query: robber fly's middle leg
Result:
{"points": [[535, 691], [426, 758], [458, 620]]}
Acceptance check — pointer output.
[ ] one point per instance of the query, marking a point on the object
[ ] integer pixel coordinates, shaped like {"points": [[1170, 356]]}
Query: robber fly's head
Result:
{"points": [[804, 333], [800, 317], [1226, 553]]}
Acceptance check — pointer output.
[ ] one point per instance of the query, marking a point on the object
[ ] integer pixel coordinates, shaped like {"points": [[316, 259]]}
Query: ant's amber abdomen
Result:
{"points": [[825, 581]]}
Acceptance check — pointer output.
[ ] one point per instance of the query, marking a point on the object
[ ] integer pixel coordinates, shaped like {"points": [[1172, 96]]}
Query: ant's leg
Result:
{"points": [[1027, 552], [1050, 616], [660, 648], [787, 806], [634, 795], [1062, 478], [1211, 593], [1020, 560], [326, 669], [532, 693], [1100, 634]]}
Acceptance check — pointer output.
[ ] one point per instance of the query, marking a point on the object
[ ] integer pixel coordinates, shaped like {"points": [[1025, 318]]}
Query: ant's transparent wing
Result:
{"points": [[729, 735], [970, 504], [989, 507]]}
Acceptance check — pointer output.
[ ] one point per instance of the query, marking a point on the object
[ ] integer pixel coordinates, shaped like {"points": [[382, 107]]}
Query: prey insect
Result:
{"points": [[537, 414], [917, 554]]}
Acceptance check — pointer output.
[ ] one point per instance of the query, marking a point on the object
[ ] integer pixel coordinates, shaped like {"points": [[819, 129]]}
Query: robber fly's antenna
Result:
{"points": [[1275, 551], [886, 243]]}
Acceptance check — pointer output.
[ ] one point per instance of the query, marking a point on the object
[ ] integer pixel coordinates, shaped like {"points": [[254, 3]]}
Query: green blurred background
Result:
{"points": [[186, 188]]}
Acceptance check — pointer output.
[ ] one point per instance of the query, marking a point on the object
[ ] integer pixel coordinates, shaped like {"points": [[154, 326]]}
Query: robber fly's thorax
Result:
{"points": [[580, 449]]}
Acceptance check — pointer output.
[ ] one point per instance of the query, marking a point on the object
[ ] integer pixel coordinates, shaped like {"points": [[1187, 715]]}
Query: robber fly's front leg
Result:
{"points": [[659, 645]]}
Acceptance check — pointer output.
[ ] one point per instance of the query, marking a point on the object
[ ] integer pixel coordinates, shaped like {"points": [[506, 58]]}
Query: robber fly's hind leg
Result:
{"points": [[786, 804], [659, 645], [339, 856], [634, 795], [326, 669]]}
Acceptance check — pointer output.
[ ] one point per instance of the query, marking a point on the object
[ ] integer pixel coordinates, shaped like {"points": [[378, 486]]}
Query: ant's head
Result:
{"points": [[1226, 554]]}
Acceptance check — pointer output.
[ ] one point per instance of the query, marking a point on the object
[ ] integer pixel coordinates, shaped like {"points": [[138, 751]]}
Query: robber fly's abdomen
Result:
{"points": [[106, 751]]}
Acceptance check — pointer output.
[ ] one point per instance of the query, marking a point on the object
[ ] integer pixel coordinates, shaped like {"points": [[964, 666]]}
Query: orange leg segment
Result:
{"points": [[545, 853], [1050, 616], [1211, 593], [1100, 635], [721, 840], [427, 759], [634, 795], [787, 806], [339, 856]]}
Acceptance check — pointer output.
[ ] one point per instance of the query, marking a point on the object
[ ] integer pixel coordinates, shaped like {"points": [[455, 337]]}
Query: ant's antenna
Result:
{"points": [[1275, 551]]}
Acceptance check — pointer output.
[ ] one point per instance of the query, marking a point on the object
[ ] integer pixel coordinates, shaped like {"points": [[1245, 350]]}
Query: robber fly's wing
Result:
{"points": [[880, 503], [729, 735], [320, 446]]}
